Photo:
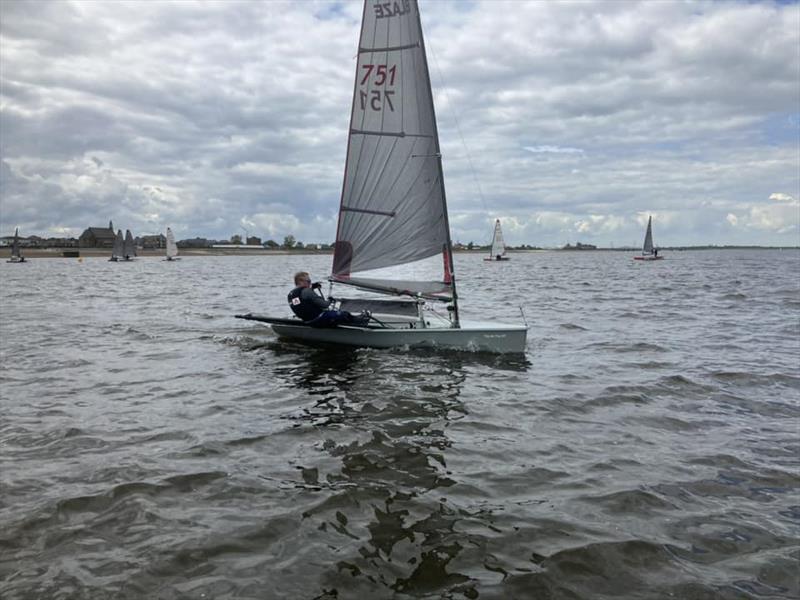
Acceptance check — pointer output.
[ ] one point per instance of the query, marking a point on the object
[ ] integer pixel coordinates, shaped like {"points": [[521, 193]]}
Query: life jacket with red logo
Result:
{"points": [[303, 306]]}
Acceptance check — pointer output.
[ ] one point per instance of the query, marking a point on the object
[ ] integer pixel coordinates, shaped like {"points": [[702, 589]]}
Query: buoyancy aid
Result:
{"points": [[302, 306]]}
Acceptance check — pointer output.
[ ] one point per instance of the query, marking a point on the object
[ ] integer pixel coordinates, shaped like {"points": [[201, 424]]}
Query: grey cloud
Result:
{"points": [[200, 115]]}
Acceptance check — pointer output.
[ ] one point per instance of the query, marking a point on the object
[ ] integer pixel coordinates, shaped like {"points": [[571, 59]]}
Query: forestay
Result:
{"points": [[393, 208]]}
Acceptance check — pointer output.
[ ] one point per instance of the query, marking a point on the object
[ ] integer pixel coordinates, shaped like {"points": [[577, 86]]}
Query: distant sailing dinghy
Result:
{"points": [[172, 247], [498, 251], [648, 251], [393, 210], [16, 253], [117, 252], [129, 248]]}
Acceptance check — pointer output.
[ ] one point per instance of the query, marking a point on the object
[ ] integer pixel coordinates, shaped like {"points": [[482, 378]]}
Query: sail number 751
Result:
{"points": [[382, 75]]}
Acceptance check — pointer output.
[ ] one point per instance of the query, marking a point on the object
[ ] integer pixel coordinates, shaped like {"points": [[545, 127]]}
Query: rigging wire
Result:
{"points": [[458, 125]]}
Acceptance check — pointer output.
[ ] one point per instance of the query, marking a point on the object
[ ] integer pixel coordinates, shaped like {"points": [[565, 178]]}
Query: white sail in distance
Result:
{"points": [[119, 245], [172, 247], [498, 244]]}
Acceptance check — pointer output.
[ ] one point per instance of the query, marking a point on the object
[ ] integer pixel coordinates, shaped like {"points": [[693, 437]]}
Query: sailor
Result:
{"points": [[311, 306]]}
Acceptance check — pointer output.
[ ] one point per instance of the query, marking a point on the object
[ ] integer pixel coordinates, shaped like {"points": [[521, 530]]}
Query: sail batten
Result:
{"points": [[388, 48], [400, 134], [392, 132]]}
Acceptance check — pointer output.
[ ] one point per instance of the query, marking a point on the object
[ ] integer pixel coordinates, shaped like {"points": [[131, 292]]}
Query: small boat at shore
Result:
{"points": [[649, 252], [498, 250], [393, 210], [16, 253]]}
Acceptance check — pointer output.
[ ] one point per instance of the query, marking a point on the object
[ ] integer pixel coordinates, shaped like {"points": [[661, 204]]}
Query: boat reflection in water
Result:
{"points": [[381, 471]]}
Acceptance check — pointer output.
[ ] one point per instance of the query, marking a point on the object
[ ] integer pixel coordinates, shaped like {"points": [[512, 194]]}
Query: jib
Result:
{"points": [[392, 9]]}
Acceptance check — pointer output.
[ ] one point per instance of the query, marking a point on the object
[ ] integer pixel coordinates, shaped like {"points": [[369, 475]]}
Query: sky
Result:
{"points": [[569, 121]]}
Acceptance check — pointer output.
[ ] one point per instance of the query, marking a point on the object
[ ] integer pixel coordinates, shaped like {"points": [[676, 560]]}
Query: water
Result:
{"points": [[646, 447]]}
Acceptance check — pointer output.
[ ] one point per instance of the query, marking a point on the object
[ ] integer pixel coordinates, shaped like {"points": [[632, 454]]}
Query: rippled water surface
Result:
{"points": [[152, 446]]}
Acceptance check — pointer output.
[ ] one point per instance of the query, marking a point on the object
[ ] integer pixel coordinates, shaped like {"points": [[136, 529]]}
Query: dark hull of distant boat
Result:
{"points": [[497, 259], [648, 257], [16, 260]]}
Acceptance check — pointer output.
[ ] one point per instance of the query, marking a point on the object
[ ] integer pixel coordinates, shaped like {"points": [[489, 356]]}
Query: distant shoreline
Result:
{"points": [[106, 252]]}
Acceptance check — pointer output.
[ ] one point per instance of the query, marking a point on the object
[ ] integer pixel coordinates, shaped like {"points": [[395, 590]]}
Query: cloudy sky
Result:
{"points": [[570, 121]]}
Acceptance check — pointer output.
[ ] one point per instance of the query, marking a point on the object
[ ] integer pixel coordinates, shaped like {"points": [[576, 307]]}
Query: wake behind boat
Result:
{"points": [[393, 207], [498, 250], [649, 252]]}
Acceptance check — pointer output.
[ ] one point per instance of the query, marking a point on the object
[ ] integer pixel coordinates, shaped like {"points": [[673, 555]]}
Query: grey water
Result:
{"points": [[646, 445]]}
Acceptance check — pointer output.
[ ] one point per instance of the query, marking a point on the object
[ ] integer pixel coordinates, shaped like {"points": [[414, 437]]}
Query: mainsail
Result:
{"points": [[130, 248], [498, 245], [119, 245], [648, 238], [15, 244], [172, 247], [393, 209]]}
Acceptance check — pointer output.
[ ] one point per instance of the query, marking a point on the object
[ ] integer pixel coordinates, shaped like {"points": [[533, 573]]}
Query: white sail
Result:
{"points": [[129, 250], [498, 245], [172, 247], [119, 246], [393, 209], [647, 248]]}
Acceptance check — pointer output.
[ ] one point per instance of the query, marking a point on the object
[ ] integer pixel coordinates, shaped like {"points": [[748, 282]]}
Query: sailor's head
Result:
{"points": [[302, 279]]}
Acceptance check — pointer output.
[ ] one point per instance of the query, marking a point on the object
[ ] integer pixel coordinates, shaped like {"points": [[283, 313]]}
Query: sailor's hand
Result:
{"points": [[332, 299], [316, 285]]}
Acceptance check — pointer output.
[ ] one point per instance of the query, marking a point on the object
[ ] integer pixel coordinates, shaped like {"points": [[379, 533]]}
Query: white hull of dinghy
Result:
{"points": [[471, 336]]}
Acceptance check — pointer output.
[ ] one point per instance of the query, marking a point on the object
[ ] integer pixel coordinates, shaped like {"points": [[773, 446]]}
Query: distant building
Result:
{"points": [[152, 242], [196, 243], [98, 237], [579, 246], [253, 241]]}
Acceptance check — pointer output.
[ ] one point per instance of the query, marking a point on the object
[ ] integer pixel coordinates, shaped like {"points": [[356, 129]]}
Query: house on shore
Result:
{"points": [[98, 237]]}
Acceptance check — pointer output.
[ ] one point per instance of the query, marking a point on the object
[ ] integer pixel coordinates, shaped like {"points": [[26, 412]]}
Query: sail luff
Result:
{"points": [[339, 253]]}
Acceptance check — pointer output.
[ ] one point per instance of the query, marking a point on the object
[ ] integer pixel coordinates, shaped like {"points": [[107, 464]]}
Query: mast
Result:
{"points": [[339, 253], [449, 244]]}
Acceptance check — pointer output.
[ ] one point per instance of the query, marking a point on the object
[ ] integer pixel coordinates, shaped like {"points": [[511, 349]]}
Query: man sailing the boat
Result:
{"points": [[308, 303]]}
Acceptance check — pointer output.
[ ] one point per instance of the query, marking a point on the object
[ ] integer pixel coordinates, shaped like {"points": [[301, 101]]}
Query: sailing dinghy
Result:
{"points": [[498, 250], [172, 247], [648, 251], [129, 248], [393, 209], [119, 247], [16, 254]]}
